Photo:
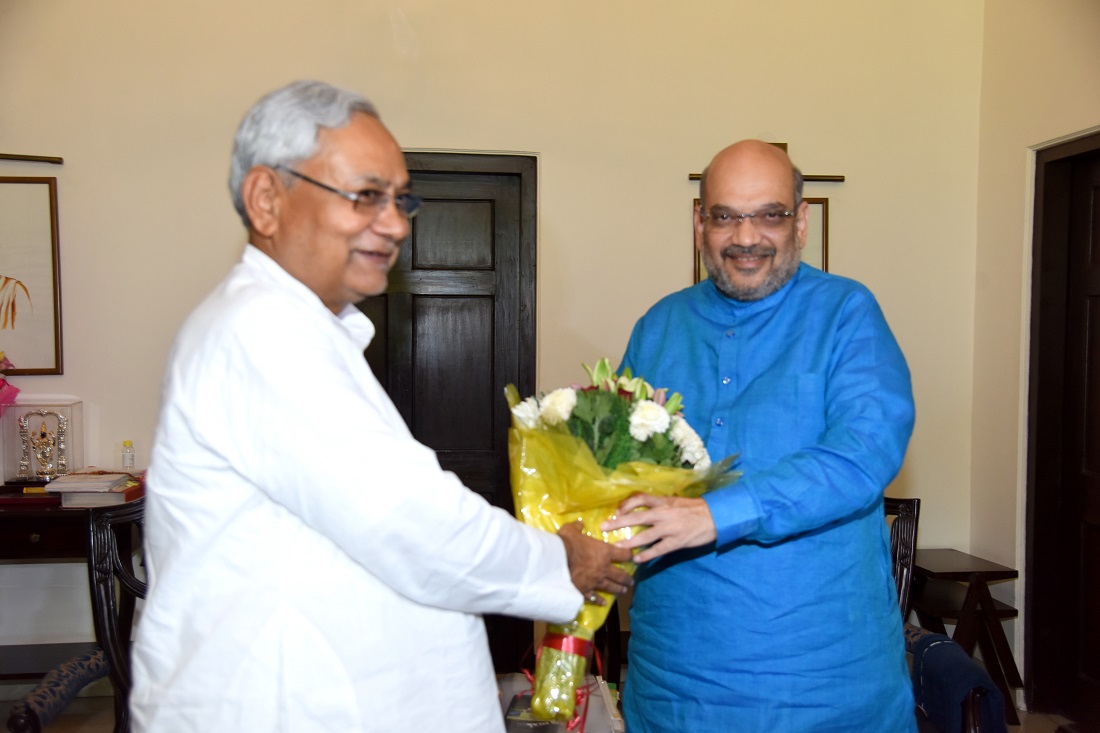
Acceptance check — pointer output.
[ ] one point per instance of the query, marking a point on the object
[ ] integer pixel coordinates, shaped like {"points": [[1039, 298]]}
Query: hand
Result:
{"points": [[590, 564], [674, 522]]}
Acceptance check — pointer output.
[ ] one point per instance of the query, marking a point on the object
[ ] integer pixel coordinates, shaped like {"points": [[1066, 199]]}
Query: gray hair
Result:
{"points": [[799, 181], [281, 129]]}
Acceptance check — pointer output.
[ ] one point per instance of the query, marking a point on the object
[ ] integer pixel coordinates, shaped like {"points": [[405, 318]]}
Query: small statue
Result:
{"points": [[43, 443]]}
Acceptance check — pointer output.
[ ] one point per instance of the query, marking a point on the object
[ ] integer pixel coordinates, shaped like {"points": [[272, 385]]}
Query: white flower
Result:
{"points": [[558, 406], [680, 430], [690, 444], [526, 413], [697, 456], [647, 418]]}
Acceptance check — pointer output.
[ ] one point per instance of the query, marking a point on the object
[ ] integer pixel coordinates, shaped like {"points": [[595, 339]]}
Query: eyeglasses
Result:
{"points": [[368, 201], [721, 218]]}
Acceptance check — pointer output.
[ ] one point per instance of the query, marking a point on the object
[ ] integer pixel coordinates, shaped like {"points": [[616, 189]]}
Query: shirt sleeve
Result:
{"points": [[868, 419], [312, 430]]}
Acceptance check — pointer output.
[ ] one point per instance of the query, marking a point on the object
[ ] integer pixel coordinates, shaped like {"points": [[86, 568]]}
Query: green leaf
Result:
{"points": [[600, 373]]}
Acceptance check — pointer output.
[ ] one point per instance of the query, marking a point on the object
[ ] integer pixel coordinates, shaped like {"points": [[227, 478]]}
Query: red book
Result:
{"points": [[24, 500]]}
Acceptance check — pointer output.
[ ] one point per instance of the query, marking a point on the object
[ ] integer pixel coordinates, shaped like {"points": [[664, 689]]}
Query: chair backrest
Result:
{"points": [[115, 590], [903, 546]]}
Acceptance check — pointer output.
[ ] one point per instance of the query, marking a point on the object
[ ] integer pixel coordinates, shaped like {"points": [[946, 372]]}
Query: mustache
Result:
{"points": [[756, 250]]}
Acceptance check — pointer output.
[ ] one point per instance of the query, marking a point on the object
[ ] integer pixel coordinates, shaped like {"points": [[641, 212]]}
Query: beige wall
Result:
{"points": [[1040, 83], [1040, 71], [620, 101]]}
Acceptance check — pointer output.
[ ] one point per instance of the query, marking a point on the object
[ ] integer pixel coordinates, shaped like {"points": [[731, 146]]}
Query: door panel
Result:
{"points": [[456, 234], [463, 364]]}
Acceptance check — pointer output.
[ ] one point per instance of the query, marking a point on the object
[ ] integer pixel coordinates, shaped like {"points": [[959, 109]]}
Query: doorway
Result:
{"points": [[457, 323], [1062, 638]]}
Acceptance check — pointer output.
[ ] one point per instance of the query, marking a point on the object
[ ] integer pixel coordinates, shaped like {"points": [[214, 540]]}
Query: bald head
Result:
{"points": [[751, 160]]}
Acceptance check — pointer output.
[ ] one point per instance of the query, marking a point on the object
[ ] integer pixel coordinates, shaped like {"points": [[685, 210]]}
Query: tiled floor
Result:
{"points": [[1038, 723], [96, 715]]}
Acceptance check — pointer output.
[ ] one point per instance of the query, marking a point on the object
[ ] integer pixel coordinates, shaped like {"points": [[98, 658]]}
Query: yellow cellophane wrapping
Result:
{"points": [[555, 481]]}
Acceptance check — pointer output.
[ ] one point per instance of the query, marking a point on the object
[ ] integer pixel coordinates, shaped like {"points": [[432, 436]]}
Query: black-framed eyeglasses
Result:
{"points": [[719, 217], [368, 201]]}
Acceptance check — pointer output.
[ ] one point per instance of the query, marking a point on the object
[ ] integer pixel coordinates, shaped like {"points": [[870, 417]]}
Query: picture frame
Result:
{"points": [[30, 278], [816, 252]]}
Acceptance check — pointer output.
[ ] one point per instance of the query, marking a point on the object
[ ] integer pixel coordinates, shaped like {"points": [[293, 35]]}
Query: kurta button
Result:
{"points": [[718, 421], [725, 380], [729, 333]]}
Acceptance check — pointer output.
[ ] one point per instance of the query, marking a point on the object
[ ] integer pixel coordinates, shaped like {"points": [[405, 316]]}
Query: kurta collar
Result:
{"points": [[742, 308], [358, 327]]}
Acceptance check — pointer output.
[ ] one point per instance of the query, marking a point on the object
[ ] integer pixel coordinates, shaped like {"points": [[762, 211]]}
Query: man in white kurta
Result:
{"points": [[311, 567]]}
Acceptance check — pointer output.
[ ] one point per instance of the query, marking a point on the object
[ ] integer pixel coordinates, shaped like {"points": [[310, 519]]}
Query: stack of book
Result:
{"points": [[519, 718], [91, 487]]}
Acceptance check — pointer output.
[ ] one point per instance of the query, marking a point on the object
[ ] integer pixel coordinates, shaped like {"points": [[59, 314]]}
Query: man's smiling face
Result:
{"points": [[747, 260], [342, 254]]}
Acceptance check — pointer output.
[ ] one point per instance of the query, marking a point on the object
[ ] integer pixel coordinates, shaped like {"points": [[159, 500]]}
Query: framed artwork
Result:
{"points": [[30, 280], [816, 252], [700, 270]]}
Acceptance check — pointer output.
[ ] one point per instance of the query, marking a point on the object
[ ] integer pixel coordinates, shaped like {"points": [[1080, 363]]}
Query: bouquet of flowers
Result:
{"points": [[8, 391], [575, 454]]}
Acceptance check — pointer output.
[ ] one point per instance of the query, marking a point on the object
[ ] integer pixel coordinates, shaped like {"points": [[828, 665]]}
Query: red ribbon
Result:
{"points": [[568, 644], [580, 710]]}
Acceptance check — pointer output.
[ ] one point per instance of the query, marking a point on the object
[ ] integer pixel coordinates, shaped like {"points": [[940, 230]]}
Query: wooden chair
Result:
{"points": [[903, 547], [115, 590]]}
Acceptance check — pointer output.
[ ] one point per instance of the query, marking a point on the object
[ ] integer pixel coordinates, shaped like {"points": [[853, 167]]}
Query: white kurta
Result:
{"points": [[311, 566]]}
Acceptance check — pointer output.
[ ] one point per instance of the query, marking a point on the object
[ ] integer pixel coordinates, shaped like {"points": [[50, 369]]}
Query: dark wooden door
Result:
{"points": [[1081, 452], [1064, 500], [457, 324]]}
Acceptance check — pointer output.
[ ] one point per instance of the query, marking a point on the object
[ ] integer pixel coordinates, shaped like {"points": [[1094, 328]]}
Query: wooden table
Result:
{"points": [[35, 527], [954, 585]]}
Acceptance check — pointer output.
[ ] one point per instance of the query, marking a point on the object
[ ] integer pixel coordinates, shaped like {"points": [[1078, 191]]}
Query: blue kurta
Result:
{"points": [[789, 622]]}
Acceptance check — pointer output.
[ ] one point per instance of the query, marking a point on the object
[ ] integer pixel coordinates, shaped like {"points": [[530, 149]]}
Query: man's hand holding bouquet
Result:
{"points": [[576, 453]]}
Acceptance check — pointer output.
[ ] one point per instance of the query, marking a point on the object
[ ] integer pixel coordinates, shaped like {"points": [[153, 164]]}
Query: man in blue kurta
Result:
{"points": [[770, 605]]}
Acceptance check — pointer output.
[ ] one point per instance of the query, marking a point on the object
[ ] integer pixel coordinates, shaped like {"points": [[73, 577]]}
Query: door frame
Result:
{"points": [[1046, 563]]}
